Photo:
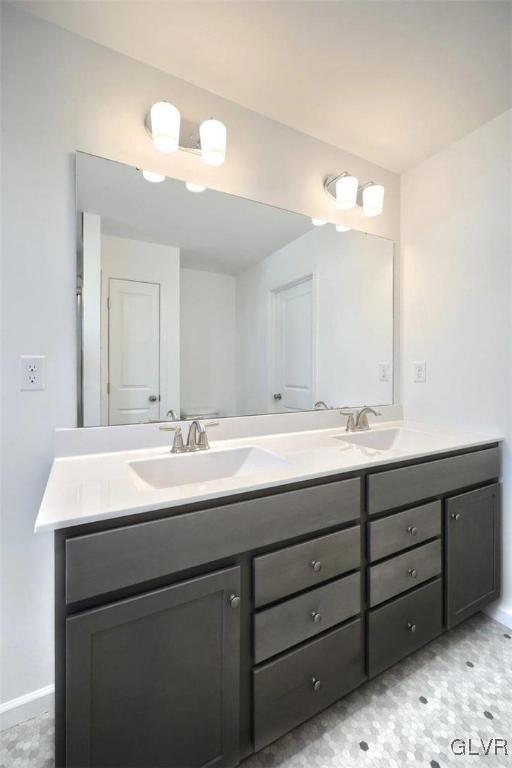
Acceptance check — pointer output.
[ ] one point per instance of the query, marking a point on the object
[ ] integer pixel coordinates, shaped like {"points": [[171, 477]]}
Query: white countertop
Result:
{"points": [[101, 486]]}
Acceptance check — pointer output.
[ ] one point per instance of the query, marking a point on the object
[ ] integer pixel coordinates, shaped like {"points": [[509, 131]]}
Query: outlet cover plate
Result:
{"points": [[32, 372], [419, 375]]}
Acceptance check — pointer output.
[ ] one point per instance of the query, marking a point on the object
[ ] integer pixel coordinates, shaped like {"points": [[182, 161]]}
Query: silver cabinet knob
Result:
{"points": [[412, 573], [455, 515], [411, 626], [316, 617], [412, 530], [316, 683], [234, 601], [278, 396], [152, 398], [316, 565]]}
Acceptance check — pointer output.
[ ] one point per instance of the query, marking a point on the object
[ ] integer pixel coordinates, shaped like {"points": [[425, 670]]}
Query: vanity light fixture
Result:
{"points": [[342, 228], [208, 141], [347, 193], [318, 222], [156, 178], [194, 187]]}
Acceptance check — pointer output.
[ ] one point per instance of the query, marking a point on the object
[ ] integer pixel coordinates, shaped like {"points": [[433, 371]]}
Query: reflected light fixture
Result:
{"points": [[373, 199], [208, 140], [342, 228], [347, 192], [194, 187], [153, 177], [318, 222]]}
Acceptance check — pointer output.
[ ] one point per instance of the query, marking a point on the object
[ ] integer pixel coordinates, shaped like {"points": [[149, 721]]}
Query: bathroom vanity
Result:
{"points": [[195, 633]]}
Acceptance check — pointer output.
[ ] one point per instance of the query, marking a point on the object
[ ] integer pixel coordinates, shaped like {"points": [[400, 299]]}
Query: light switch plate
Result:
{"points": [[419, 372], [32, 372], [384, 371]]}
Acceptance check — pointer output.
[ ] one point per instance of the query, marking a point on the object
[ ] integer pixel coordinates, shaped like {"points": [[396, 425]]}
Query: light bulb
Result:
{"points": [[318, 222], [165, 126], [152, 176], [194, 187], [342, 228], [346, 192], [373, 199], [212, 134]]}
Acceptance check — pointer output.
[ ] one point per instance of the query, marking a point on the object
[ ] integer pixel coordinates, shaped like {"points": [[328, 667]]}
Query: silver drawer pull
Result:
{"points": [[455, 515], [413, 573], [411, 626], [316, 565], [316, 683], [234, 601], [316, 616], [412, 530]]}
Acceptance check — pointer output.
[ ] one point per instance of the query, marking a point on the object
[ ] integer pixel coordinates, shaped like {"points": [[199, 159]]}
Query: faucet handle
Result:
{"points": [[177, 445], [350, 421], [202, 441]]}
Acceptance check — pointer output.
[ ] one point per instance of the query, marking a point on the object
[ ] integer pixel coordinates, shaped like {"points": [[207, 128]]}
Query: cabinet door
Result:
{"points": [[472, 527], [154, 680]]}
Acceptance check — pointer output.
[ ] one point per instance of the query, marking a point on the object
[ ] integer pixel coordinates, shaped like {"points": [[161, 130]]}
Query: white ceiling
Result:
{"points": [[391, 81], [215, 232]]}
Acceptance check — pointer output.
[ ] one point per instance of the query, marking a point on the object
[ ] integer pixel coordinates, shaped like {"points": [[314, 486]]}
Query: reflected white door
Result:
{"points": [[133, 351], [294, 346]]}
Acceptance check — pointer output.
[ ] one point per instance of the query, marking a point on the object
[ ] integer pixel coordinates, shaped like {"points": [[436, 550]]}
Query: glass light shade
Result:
{"points": [[213, 134], [373, 200], [342, 228], [194, 187], [152, 176], [165, 126], [318, 222], [346, 192]]}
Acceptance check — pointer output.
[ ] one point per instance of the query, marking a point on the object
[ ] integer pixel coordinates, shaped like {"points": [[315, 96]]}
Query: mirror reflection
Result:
{"points": [[204, 304]]}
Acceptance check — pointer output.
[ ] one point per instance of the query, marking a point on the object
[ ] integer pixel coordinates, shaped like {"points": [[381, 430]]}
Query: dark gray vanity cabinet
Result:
{"points": [[472, 524], [193, 637], [154, 680]]}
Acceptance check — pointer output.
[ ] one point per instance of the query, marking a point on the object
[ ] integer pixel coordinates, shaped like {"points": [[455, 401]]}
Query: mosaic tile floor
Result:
{"points": [[458, 687]]}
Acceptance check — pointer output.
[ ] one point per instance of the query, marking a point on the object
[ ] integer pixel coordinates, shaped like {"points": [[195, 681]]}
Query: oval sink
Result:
{"points": [[202, 467], [390, 439]]}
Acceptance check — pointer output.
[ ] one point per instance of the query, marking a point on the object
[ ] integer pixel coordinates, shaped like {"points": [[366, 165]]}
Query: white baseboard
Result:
{"points": [[500, 614], [25, 707]]}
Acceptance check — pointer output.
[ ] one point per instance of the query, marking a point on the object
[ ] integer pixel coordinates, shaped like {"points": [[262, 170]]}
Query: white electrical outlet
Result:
{"points": [[384, 371], [419, 372], [32, 372]]}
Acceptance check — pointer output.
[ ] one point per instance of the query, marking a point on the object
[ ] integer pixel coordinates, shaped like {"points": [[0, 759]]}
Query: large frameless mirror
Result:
{"points": [[204, 304]]}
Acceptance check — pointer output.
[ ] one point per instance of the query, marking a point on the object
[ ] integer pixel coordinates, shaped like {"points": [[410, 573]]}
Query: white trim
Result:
{"points": [[25, 707], [502, 615]]}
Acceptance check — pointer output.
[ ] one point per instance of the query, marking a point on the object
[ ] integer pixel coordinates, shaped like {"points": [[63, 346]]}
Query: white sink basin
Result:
{"points": [[202, 467], [390, 439]]}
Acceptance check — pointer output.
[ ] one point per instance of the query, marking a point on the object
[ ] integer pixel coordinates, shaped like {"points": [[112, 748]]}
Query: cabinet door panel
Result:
{"points": [[154, 680], [472, 552]]}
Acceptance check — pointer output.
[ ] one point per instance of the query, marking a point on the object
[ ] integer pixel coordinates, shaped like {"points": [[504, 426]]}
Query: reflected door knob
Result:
{"points": [[278, 396], [152, 398]]}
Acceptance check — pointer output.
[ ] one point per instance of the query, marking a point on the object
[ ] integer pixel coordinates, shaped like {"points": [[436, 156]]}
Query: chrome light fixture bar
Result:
{"points": [[347, 193], [208, 140]]}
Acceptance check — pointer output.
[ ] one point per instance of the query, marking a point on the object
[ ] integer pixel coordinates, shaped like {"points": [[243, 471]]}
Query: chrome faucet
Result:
{"points": [[197, 436], [358, 421], [177, 444], [321, 404], [362, 418]]}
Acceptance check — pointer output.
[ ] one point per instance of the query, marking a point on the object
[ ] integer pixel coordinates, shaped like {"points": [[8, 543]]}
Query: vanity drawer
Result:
{"points": [[403, 530], [403, 626], [285, 693], [404, 572], [98, 563], [398, 487], [302, 617], [293, 569]]}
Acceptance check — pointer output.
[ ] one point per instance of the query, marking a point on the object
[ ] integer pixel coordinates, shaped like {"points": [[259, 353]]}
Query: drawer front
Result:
{"points": [[300, 618], [293, 569], [301, 683], [99, 563], [404, 572], [403, 626], [404, 530], [398, 487]]}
